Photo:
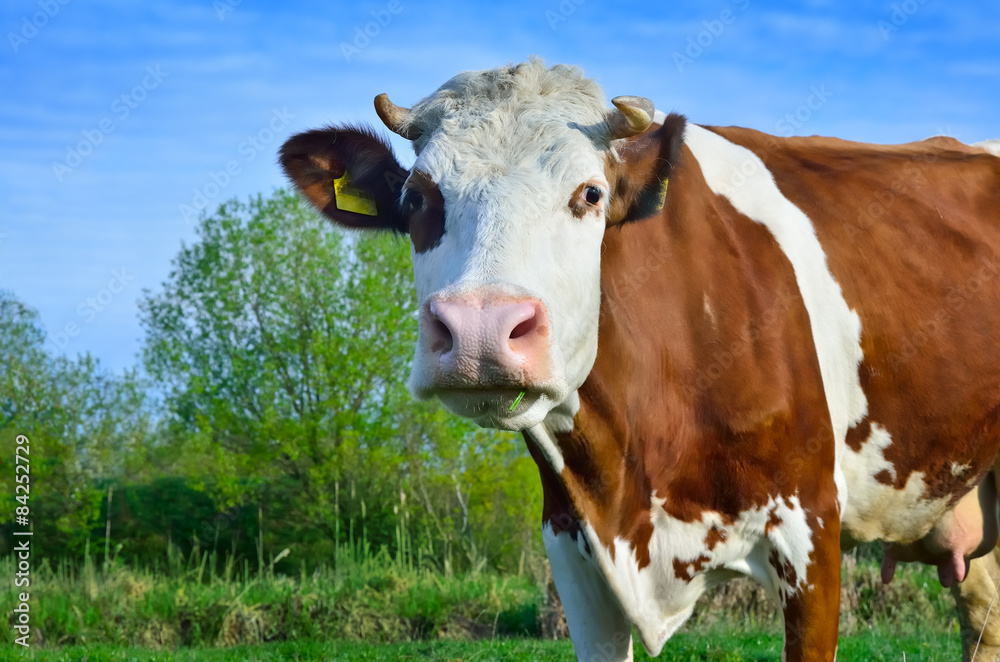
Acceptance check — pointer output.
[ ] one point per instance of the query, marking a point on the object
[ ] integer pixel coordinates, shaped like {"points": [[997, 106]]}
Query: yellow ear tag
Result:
{"points": [[352, 199], [663, 194]]}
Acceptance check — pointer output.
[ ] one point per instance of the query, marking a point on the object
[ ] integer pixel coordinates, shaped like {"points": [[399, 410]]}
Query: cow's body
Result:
{"points": [[794, 344], [705, 424]]}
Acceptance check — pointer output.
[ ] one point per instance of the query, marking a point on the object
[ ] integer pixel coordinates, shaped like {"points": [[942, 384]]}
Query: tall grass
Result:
{"points": [[204, 599]]}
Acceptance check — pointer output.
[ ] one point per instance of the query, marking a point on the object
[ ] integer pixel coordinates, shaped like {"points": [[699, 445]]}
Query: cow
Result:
{"points": [[729, 354]]}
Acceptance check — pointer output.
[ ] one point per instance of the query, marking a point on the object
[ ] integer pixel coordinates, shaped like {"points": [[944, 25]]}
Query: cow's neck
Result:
{"points": [[592, 451]]}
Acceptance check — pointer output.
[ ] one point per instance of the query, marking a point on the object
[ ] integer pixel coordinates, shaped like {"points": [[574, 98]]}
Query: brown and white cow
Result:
{"points": [[737, 353]]}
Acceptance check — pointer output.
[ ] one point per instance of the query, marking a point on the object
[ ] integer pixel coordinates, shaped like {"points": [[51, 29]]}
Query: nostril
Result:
{"points": [[438, 330], [441, 339], [524, 328]]}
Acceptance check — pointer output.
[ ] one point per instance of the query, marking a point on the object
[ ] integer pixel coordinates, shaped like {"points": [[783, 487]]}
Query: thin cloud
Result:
{"points": [[938, 70]]}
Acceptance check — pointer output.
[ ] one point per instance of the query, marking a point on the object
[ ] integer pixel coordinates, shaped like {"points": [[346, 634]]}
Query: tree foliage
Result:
{"points": [[282, 347], [85, 427]]}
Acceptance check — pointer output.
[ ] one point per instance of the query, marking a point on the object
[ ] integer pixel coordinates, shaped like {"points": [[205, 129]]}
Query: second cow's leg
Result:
{"points": [[973, 597]]}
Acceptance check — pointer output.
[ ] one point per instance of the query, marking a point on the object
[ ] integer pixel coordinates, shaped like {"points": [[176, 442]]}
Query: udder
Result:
{"points": [[967, 531]]}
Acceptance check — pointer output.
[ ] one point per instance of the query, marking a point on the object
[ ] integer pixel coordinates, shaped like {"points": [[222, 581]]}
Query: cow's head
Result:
{"points": [[519, 171]]}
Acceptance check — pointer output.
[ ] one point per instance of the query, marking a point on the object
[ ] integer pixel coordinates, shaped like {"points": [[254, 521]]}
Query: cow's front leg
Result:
{"points": [[810, 604], [597, 625]]}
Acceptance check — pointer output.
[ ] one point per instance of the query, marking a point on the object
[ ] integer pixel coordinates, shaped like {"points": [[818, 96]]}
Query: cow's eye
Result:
{"points": [[412, 201], [592, 195]]}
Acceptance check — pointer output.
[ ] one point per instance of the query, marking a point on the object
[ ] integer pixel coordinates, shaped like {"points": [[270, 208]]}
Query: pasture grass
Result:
{"points": [[196, 603], [372, 607], [869, 647]]}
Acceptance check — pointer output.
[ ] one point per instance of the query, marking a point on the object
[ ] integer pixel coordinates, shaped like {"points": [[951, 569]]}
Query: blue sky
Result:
{"points": [[115, 117]]}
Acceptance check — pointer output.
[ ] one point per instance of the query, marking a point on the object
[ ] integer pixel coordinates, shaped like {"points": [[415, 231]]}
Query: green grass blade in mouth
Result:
{"points": [[518, 400]]}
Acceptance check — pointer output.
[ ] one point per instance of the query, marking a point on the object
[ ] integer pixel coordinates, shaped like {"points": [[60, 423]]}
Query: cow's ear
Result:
{"points": [[348, 173], [640, 176]]}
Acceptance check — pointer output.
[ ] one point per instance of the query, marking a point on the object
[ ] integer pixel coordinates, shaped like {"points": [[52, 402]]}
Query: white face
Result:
{"points": [[524, 221]]}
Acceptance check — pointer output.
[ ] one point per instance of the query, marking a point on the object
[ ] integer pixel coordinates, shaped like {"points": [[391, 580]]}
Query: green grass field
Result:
{"points": [[869, 647], [377, 609]]}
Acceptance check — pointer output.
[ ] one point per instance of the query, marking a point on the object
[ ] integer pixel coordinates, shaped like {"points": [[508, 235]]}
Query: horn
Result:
{"points": [[394, 117], [632, 117]]}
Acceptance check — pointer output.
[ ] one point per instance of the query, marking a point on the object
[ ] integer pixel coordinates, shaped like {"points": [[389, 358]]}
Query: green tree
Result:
{"points": [[283, 347], [86, 427]]}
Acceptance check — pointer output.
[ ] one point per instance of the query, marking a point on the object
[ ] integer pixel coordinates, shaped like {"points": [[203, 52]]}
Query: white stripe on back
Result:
{"points": [[740, 176]]}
